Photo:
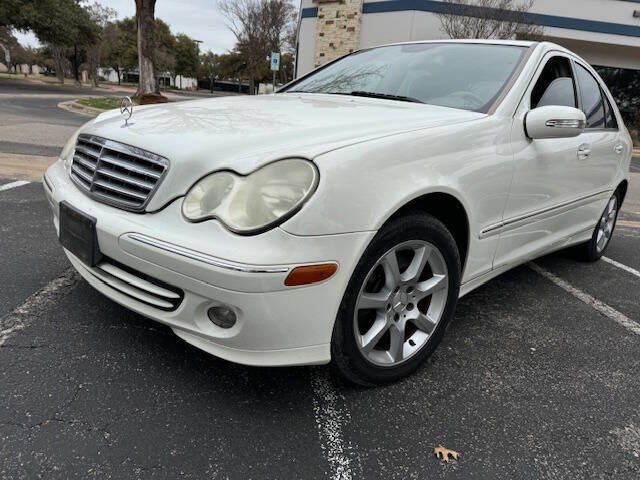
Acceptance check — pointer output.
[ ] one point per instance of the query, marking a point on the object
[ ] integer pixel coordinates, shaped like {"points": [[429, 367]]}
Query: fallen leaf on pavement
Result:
{"points": [[443, 453]]}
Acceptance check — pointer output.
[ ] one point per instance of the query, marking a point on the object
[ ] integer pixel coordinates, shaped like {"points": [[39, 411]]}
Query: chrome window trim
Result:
{"points": [[512, 80], [203, 257]]}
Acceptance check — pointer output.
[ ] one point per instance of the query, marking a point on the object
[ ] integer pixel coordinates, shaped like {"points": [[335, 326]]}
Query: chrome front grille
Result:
{"points": [[117, 174]]}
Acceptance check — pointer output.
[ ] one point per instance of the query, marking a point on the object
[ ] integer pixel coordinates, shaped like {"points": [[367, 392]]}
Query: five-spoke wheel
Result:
{"points": [[401, 302], [601, 237], [606, 224], [398, 302]]}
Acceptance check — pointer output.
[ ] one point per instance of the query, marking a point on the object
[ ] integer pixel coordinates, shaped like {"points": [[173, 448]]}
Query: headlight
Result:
{"points": [[69, 149], [252, 203]]}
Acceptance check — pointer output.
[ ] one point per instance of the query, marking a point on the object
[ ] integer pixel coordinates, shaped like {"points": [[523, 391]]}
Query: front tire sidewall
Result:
{"points": [[346, 355]]}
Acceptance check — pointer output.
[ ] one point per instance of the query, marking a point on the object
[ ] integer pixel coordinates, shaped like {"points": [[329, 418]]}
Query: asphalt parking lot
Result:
{"points": [[537, 377]]}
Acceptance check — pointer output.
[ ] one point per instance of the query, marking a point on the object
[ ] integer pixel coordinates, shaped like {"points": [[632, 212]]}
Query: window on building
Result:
{"points": [[555, 85], [591, 98]]}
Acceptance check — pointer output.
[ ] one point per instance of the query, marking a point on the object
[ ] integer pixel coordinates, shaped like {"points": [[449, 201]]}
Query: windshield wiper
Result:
{"points": [[386, 96]]}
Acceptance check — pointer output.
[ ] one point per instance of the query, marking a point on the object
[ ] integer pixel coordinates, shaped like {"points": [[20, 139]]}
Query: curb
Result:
{"points": [[75, 107]]}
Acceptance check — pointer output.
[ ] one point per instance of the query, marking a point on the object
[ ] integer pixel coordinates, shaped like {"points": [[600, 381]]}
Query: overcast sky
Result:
{"points": [[199, 19]]}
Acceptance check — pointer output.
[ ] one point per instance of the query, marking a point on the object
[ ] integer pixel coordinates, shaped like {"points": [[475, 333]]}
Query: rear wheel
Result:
{"points": [[398, 302], [595, 248]]}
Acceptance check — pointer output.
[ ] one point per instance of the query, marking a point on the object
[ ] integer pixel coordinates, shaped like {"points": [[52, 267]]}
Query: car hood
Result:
{"points": [[242, 133]]}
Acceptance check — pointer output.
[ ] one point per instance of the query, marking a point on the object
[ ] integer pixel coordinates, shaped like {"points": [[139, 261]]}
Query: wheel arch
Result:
{"points": [[449, 210]]}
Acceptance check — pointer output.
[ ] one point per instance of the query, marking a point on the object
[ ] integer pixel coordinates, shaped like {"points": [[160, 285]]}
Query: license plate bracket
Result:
{"points": [[78, 234]]}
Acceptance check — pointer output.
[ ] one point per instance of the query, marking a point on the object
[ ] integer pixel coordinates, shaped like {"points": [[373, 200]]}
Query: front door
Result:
{"points": [[559, 185]]}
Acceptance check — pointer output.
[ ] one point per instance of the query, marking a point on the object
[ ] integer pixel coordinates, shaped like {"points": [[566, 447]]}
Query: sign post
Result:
{"points": [[275, 66]]}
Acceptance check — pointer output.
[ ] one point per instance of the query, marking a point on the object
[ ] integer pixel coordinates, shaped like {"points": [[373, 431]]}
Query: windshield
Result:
{"points": [[459, 75]]}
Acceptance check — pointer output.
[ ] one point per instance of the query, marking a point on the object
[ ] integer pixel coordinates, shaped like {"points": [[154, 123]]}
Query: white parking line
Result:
{"points": [[622, 266], [9, 186], [329, 421], [601, 307], [22, 316]]}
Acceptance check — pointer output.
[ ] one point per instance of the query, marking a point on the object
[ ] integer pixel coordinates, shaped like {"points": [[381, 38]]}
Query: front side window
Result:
{"points": [[458, 75], [555, 85], [591, 98]]}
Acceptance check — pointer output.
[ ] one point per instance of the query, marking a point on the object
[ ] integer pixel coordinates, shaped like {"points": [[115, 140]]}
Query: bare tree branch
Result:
{"points": [[260, 27], [500, 19]]}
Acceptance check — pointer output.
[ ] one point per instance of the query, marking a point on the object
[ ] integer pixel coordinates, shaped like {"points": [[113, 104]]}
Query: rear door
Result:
{"points": [[599, 151]]}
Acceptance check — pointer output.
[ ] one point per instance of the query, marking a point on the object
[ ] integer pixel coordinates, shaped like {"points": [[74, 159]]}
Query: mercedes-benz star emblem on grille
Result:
{"points": [[126, 109]]}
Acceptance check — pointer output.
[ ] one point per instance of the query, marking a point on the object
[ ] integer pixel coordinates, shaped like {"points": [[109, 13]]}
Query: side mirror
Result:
{"points": [[554, 121]]}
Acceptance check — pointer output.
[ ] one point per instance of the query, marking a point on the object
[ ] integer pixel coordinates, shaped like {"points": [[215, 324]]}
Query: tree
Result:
{"points": [[624, 85], [208, 67], [165, 59], [101, 18], [186, 53], [62, 24], [501, 19], [18, 56], [145, 21], [259, 28], [122, 48], [33, 56]]}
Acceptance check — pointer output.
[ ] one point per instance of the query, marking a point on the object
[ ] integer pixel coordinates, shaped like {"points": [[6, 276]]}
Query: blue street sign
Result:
{"points": [[275, 61]]}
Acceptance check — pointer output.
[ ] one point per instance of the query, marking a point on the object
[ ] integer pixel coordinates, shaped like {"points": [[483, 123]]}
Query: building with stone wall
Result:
{"points": [[604, 32]]}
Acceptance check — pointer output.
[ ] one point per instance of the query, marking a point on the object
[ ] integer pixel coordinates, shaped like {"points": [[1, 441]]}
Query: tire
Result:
{"points": [[413, 240], [592, 250]]}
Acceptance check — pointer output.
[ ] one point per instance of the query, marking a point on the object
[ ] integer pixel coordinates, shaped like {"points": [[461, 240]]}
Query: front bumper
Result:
{"points": [[276, 325]]}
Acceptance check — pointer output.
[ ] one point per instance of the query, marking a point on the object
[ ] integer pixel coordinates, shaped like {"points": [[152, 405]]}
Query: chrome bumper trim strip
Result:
{"points": [[204, 258]]}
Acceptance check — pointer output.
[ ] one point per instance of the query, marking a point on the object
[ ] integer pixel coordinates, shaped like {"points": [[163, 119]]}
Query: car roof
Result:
{"points": [[520, 43], [544, 46]]}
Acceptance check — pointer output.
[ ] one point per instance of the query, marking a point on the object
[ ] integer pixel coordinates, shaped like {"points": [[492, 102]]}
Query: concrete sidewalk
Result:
{"points": [[24, 167]]}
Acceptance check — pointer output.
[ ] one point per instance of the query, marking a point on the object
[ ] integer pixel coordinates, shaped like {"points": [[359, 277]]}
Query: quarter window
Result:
{"points": [[610, 117], [591, 98]]}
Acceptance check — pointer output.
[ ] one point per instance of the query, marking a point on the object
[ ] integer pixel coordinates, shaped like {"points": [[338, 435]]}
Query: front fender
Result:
{"points": [[362, 185]]}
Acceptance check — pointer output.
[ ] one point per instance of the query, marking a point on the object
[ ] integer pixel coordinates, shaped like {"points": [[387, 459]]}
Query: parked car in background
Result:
{"points": [[340, 219]]}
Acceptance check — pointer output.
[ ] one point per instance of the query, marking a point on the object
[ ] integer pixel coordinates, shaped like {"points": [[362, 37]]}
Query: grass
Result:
{"points": [[103, 103]]}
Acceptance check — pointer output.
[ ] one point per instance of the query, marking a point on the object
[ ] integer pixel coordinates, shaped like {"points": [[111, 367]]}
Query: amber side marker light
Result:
{"points": [[309, 274]]}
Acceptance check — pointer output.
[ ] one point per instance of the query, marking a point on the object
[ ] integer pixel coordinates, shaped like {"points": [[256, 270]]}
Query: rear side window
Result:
{"points": [[555, 86], [591, 98]]}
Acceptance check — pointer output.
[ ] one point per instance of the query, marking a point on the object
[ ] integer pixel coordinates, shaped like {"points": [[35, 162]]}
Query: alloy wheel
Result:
{"points": [[401, 303], [606, 224]]}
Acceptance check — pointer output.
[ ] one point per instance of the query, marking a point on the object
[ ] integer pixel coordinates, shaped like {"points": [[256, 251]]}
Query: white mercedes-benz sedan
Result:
{"points": [[340, 219]]}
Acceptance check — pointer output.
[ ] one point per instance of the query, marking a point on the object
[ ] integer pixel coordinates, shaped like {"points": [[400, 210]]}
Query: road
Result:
{"points": [[535, 378], [31, 122]]}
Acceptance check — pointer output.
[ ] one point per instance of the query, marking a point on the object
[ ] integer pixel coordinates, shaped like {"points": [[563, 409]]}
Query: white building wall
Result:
{"points": [[188, 83], [605, 49], [108, 74], [184, 83], [306, 45]]}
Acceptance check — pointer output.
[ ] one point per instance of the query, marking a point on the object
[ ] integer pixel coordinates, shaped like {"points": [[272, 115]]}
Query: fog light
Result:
{"points": [[223, 317]]}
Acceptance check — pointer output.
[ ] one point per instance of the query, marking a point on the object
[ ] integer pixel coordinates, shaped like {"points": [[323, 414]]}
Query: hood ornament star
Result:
{"points": [[126, 109]]}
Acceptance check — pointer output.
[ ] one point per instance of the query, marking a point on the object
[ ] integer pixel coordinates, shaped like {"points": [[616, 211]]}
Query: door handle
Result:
{"points": [[584, 151], [619, 148]]}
